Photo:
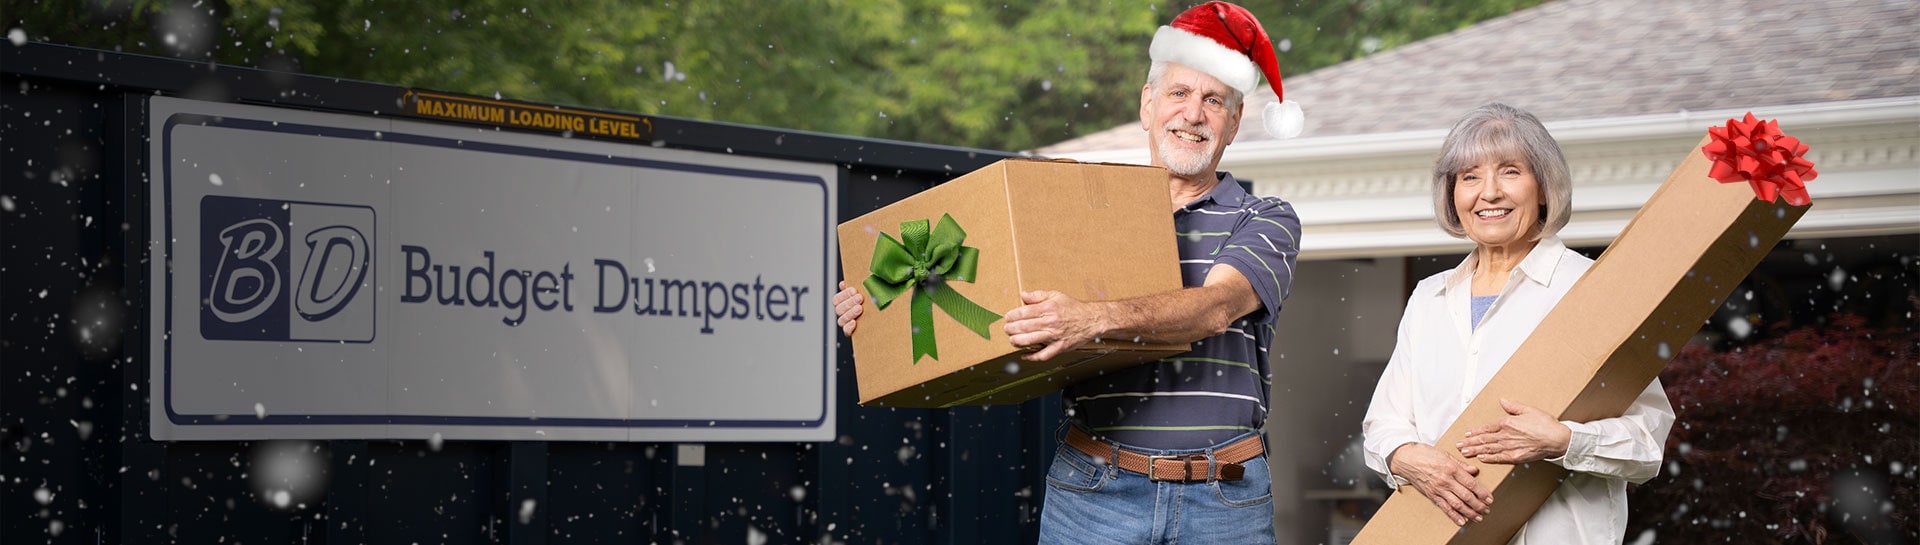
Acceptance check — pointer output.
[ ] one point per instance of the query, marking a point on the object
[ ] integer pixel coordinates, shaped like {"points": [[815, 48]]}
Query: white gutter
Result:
{"points": [[1850, 112]]}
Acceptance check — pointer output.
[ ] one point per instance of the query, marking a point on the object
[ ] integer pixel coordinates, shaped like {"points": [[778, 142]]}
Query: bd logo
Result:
{"points": [[285, 271]]}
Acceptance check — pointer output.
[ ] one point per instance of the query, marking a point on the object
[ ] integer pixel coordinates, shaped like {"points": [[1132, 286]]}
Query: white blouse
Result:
{"points": [[1440, 362]]}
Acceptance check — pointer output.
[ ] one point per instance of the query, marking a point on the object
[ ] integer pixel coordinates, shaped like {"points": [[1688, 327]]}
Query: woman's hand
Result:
{"points": [[847, 305], [1446, 481], [1528, 435]]}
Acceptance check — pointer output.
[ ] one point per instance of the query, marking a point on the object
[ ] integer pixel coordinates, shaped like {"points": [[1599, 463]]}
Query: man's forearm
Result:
{"points": [[1180, 316], [1056, 322]]}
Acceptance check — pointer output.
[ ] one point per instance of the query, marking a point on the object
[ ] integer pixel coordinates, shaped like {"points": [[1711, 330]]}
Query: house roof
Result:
{"points": [[1584, 59]]}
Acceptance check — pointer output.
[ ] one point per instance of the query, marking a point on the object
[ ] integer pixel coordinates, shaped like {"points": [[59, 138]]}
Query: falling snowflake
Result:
{"points": [[526, 510], [1739, 327]]}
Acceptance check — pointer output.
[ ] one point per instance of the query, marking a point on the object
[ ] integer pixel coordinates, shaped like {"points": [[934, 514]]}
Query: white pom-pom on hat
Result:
{"points": [[1283, 119]]}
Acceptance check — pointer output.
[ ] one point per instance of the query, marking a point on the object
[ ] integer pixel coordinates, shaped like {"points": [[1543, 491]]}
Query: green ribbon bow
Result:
{"points": [[924, 264]]}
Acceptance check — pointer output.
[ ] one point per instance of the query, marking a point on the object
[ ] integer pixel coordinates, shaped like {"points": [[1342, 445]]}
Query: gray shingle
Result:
{"points": [[1582, 59]]}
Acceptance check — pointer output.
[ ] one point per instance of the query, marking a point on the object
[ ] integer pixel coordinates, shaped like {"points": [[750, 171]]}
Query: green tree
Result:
{"points": [[1005, 75], [1311, 35], [1009, 76]]}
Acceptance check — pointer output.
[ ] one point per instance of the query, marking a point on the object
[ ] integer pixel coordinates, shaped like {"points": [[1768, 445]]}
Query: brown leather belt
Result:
{"points": [[1225, 464]]}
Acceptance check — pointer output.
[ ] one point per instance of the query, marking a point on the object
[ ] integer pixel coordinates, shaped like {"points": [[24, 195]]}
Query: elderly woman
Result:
{"points": [[1502, 183]]}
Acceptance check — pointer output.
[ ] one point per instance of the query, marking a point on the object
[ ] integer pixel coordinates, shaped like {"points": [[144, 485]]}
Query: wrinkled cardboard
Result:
{"points": [[1612, 334], [1092, 231]]}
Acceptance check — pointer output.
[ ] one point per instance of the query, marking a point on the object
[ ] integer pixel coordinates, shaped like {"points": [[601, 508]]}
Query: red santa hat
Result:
{"points": [[1226, 42]]}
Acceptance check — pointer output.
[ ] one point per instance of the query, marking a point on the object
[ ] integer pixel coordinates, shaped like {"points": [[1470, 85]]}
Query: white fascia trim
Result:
{"points": [[1880, 110]]}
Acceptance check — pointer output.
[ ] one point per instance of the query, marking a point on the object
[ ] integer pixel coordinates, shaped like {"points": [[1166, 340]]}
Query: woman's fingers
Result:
{"points": [[1457, 495], [1450, 501], [1472, 492], [1446, 481], [1459, 511], [1465, 498]]}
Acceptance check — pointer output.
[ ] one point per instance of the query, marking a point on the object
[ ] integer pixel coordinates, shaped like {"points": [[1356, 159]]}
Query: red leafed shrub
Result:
{"points": [[1804, 436]]}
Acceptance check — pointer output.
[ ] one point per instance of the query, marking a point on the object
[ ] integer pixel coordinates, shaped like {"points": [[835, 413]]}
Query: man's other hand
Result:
{"points": [[847, 305]]}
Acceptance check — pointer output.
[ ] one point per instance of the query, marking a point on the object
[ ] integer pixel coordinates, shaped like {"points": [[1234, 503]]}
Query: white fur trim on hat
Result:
{"points": [[1203, 54], [1283, 120]]}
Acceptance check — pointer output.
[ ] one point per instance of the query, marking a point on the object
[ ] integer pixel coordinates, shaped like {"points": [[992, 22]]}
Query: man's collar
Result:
{"points": [[1228, 191]]}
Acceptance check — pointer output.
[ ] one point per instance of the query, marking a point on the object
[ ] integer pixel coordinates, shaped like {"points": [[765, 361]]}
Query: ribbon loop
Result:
{"points": [[1752, 151], [892, 269], [923, 261]]}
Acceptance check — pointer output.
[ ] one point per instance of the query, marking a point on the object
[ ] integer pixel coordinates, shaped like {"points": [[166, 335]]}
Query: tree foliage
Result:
{"points": [[1006, 75], [1806, 436]]}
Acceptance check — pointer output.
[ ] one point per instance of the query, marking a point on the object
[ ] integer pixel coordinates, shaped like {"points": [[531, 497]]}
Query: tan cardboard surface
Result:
{"points": [[1686, 249], [1092, 231]]}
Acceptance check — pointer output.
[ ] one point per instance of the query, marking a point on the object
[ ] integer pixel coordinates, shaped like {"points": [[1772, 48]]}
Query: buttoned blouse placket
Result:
{"points": [[1460, 308]]}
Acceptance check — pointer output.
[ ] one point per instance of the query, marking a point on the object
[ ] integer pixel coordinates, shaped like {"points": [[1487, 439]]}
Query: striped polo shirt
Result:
{"points": [[1219, 389]]}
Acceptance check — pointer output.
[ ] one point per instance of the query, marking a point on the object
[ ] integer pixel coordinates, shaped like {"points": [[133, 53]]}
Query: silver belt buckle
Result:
{"points": [[1186, 465]]}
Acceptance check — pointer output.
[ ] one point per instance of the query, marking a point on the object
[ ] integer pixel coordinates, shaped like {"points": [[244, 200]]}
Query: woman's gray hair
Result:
{"points": [[1496, 132]]}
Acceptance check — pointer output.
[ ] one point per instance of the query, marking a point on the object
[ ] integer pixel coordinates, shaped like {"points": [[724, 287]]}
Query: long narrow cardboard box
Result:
{"points": [[1612, 334]]}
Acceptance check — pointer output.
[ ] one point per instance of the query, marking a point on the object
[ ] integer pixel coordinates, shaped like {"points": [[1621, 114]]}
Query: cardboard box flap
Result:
{"points": [[1055, 202]]}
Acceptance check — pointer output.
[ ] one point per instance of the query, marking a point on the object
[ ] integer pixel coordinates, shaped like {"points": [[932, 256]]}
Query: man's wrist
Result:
{"points": [[1107, 318]]}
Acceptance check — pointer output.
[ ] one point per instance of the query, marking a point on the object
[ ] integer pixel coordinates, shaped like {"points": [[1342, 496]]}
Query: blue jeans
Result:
{"points": [[1094, 502]]}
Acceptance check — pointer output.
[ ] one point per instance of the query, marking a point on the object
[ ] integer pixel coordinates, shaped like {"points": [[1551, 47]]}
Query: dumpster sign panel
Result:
{"points": [[328, 276]]}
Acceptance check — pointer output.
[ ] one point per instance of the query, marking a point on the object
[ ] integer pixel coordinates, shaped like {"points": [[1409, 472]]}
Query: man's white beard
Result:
{"points": [[1181, 162]]}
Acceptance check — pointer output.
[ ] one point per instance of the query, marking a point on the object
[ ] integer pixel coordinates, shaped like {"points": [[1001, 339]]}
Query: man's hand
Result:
{"points": [[1053, 320], [847, 305], [1447, 482], [1528, 435]]}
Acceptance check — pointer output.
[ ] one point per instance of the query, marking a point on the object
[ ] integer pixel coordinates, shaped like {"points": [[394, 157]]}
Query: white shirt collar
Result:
{"points": [[1538, 266]]}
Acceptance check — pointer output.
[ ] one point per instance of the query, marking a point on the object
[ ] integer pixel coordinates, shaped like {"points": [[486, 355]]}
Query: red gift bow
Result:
{"points": [[1756, 152]]}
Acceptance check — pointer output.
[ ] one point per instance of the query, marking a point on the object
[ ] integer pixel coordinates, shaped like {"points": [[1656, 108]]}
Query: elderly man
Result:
{"points": [[1172, 450]]}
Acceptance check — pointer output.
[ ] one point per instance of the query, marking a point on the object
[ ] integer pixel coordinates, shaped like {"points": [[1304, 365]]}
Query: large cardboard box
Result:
{"points": [[1092, 231], [1612, 334]]}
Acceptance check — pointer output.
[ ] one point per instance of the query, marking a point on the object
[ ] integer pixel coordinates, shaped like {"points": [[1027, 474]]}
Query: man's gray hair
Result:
{"points": [[1159, 70], [1496, 132]]}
